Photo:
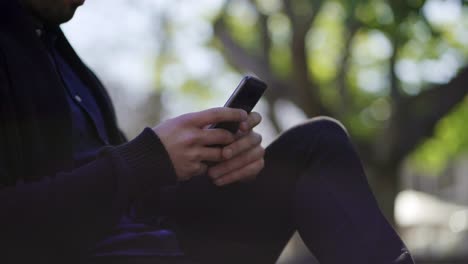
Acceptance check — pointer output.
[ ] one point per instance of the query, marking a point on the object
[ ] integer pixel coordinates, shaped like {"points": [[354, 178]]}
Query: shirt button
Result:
{"points": [[78, 98]]}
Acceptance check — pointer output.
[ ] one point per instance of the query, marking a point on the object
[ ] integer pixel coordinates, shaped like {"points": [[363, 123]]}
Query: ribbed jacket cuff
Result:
{"points": [[149, 163]]}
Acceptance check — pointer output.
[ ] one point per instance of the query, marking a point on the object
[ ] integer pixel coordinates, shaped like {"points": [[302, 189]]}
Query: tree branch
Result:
{"points": [[394, 83], [308, 94], [343, 68], [273, 116], [243, 60], [264, 33], [266, 38], [413, 122]]}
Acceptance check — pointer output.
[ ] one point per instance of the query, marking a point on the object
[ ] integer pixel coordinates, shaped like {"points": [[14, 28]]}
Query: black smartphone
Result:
{"points": [[245, 97]]}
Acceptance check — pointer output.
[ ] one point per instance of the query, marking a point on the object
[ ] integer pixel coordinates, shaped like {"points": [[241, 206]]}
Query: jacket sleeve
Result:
{"points": [[64, 214]]}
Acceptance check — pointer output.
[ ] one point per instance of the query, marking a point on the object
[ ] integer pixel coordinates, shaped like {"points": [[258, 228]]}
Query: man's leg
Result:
{"points": [[313, 181], [334, 208]]}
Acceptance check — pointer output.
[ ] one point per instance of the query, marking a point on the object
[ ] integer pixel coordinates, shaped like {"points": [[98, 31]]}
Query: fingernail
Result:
{"points": [[228, 153], [244, 126], [244, 114], [219, 182], [211, 175]]}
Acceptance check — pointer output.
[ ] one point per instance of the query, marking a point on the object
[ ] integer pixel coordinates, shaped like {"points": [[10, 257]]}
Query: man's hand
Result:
{"points": [[187, 139], [243, 157]]}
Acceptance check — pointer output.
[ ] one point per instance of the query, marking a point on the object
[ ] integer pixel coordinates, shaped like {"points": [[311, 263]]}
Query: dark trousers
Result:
{"points": [[313, 182]]}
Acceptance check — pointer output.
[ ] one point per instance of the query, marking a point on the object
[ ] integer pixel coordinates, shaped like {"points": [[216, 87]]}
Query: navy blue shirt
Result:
{"points": [[89, 131], [89, 136]]}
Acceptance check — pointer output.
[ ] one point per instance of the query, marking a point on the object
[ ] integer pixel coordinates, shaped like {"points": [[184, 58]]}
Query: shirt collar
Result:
{"points": [[43, 31], [48, 34]]}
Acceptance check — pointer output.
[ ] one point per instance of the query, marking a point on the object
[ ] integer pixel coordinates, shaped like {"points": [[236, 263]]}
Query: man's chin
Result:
{"points": [[77, 2], [60, 18]]}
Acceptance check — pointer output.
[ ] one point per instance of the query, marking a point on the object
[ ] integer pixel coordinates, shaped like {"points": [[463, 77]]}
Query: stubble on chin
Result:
{"points": [[49, 13]]}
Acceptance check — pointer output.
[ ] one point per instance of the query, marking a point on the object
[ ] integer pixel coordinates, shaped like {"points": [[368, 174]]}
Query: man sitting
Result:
{"points": [[74, 190]]}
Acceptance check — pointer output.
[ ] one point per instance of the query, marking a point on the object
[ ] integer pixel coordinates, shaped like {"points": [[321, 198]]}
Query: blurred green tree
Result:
{"points": [[387, 69]]}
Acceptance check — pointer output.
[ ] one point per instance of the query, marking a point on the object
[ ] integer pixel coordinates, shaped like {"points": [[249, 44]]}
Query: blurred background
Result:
{"points": [[394, 72]]}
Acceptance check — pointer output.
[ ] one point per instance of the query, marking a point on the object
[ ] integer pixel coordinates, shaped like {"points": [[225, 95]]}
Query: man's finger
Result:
{"points": [[217, 115], [201, 169], [247, 142], [216, 136], [236, 163], [253, 120], [246, 173], [211, 154]]}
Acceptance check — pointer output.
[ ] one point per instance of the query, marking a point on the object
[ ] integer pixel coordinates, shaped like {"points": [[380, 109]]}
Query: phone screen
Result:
{"points": [[247, 94], [245, 97]]}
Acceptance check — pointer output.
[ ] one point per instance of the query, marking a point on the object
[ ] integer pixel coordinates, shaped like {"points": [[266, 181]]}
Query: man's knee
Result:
{"points": [[315, 135], [319, 127], [327, 124]]}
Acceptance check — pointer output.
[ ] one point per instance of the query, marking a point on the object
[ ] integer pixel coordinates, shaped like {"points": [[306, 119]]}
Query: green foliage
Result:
{"points": [[359, 54], [374, 13], [196, 90], [325, 42], [279, 28], [449, 141], [280, 57], [242, 21]]}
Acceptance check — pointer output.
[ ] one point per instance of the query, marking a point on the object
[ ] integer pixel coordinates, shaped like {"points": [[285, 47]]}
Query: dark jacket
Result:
{"points": [[51, 212]]}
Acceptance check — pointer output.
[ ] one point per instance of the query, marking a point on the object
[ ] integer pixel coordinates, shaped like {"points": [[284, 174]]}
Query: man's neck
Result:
{"points": [[37, 22]]}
